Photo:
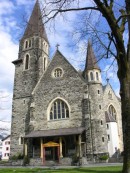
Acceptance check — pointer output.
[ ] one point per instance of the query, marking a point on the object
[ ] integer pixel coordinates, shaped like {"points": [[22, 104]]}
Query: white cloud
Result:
{"points": [[24, 2], [6, 7]]}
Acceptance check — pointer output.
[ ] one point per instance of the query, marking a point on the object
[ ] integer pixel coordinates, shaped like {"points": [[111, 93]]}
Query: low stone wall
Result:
{"points": [[35, 162], [65, 161], [84, 161], [17, 163]]}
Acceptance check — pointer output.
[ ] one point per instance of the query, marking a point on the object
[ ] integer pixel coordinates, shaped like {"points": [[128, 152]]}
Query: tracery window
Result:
{"points": [[112, 111], [59, 110], [58, 73]]}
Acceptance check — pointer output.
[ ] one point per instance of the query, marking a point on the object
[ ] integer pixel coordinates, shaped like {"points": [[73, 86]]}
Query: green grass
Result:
{"points": [[71, 170]]}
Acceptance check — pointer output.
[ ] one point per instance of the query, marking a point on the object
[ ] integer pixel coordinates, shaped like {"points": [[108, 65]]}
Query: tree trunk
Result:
{"points": [[124, 77]]}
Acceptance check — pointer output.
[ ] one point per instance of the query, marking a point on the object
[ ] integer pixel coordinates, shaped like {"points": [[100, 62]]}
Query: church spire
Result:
{"points": [[91, 62], [35, 25]]}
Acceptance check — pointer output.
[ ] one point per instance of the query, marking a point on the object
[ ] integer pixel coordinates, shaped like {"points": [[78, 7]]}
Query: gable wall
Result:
{"points": [[70, 87]]}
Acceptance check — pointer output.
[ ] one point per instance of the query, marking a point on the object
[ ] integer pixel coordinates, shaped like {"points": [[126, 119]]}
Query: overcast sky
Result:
{"points": [[13, 17]]}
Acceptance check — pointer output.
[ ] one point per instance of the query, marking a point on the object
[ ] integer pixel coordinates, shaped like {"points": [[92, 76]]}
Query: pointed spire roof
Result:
{"points": [[35, 25], [91, 62]]}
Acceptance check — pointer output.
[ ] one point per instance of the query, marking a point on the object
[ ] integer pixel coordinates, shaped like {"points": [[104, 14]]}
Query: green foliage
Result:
{"points": [[18, 156], [26, 160], [75, 159], [104, 157]]}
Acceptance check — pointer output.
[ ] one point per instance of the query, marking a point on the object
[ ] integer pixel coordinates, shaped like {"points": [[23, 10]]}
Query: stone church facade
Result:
{"points": [[58, 113]]}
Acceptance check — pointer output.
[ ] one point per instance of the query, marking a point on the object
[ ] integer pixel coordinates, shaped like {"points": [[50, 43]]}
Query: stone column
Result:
{"points": [[25, 148], [41, 148], [79, 142], [60, 141]]}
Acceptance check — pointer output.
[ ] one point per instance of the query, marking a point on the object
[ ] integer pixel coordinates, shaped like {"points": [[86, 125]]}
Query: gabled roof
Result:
{"points": [[91, 62], [56, 132], [5, 138], [108, 85], [35, 25], [109, 118]]}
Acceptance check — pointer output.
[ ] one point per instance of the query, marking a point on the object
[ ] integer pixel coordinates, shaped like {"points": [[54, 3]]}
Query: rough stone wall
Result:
{"points": [[97, 114], [70, 87], [116, 103], [24, 83]]}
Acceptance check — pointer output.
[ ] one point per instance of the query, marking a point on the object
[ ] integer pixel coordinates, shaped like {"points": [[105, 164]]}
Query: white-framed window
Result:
{"points": [[21, 140], [91, 76], [112, 111], [28, 43], [97, 76], [58, 72], [59, 110]]}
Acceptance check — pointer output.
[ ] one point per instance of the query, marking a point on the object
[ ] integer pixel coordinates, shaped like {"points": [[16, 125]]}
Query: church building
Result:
{"points": [[59, 113]]}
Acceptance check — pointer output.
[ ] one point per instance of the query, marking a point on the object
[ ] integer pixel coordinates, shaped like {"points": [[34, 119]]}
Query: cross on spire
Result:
{"points": [[57, 46]]}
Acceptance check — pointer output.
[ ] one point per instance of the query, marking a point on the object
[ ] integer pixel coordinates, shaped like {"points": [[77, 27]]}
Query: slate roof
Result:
{"points": [[109, 118], [56, 132], [5, 138], [35, 25], [91, 61]]}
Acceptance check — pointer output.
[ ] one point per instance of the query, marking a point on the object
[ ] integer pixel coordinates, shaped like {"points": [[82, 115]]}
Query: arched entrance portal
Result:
{"points": [[51, 151]]}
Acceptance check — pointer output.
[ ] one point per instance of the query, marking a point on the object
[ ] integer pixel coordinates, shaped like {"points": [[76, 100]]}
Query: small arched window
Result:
{"points": [[112, 111], [97, 76], [44, 65], [59, 110], [58, 73], [91, 75], [30, 43], [26, 62], [109, 95], [26, 44]]}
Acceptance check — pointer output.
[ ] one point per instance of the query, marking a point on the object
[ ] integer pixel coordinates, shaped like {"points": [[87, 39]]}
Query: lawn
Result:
{"points": [[72, 170]]}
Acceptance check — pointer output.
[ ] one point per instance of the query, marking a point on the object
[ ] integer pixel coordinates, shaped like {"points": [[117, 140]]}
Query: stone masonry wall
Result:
{"points": [[70, 87]]}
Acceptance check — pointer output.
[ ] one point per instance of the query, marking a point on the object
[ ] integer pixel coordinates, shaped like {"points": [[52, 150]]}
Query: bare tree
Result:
{"points": [[115, 15]]}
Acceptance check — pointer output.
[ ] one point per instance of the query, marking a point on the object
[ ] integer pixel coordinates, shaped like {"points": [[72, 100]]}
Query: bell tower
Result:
{"points": [[31, 64], [92, 72]]}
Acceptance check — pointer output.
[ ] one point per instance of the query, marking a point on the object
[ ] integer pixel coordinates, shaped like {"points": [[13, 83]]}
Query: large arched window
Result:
{"points": [[112, 111], [59, 110], [91, 75], [26, 62]]}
